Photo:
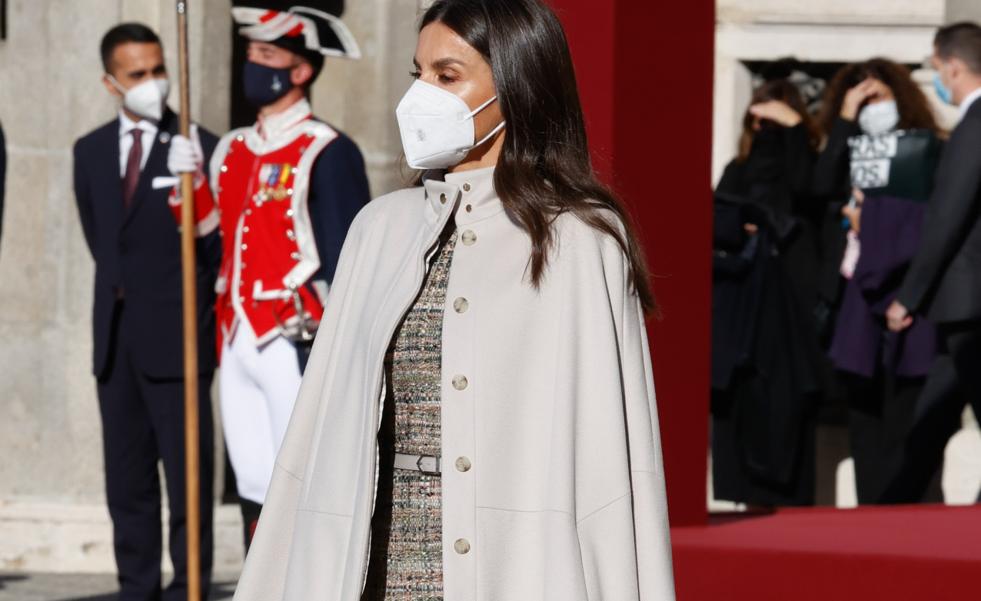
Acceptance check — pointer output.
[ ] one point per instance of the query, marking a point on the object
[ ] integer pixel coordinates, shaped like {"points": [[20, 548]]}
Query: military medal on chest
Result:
{"points": [[273, 178]]}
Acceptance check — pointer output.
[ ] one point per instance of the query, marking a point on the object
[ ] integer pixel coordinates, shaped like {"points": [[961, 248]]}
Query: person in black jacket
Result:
{"points": [[864, 102], [944, 281], [3, 173], [765, 354], [137, 317]]}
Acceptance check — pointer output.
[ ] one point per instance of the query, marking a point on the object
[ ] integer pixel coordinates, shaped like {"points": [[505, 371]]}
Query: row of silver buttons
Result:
{"points": [[460, 382]]}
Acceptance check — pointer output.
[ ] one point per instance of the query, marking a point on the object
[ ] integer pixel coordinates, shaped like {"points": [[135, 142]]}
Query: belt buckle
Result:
{"points": [[435, 463]]}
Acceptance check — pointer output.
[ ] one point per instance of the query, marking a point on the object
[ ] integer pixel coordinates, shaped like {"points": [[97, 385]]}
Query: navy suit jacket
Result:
{"points": [[138, 258], [944, 280]]}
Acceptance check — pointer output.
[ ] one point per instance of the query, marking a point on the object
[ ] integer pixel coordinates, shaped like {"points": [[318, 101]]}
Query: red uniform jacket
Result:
{"points": [[283, 194]]}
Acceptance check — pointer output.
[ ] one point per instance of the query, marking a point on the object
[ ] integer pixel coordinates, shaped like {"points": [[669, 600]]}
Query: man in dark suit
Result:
{"points": [[944, 280], [137, 333]]}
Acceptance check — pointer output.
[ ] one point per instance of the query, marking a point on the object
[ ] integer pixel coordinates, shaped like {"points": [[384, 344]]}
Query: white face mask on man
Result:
{"points": [[879, 118], [437, 126], [146, 99]]}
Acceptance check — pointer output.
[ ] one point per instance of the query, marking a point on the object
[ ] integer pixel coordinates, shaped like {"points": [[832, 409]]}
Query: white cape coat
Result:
{"points": [[565, 500]]}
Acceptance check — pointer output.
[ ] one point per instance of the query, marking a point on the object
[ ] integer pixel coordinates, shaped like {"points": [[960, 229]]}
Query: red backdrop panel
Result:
{"points": [[645, 75]]}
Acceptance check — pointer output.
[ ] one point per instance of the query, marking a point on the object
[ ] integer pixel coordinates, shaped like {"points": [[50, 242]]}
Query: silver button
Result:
{"points": [[289, 191], [245, 230], [248, 211], [245, 247], [290, 234], [224, 168], [463, 464], [461, 305], [442, 199], [466, 187], [240, 137], [460, 382], [461, 546], [289, 212], [468, 238], [295, 256]]}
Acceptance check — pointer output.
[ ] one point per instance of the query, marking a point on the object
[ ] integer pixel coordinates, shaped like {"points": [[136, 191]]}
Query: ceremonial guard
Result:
{"points": [[283, 193]]}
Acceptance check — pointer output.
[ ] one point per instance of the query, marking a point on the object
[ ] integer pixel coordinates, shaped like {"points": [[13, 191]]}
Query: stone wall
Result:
{"points": [[52, 509]]}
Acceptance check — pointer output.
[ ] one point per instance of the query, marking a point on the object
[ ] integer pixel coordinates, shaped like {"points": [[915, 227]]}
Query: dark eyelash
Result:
{"points": [[415, 74]]}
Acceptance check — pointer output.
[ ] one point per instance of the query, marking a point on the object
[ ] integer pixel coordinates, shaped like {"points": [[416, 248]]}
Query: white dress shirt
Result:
{"points": [[971, 99], [127, 125]]}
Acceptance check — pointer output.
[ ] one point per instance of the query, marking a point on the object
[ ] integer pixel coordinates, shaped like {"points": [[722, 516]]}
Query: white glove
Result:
{"points": [[186, 156]]}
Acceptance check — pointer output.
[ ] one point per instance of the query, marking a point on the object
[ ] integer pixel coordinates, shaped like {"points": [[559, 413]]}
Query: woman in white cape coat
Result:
{"points": [[552, 486]]}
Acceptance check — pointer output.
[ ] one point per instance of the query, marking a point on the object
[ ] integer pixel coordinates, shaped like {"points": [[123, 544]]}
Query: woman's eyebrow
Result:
{"points": [[446, 62]]}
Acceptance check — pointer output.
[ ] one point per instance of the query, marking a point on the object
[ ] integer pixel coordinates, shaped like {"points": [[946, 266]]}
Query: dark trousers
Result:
{"points": [[880, 416], [954, 380], [143, 424]]}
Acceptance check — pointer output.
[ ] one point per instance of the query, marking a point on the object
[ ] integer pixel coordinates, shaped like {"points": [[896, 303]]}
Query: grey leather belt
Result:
{"points": [[427, 464]]}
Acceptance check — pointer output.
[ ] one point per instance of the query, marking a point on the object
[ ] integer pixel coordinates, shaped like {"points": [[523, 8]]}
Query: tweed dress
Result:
{"points": [[406, 557]]}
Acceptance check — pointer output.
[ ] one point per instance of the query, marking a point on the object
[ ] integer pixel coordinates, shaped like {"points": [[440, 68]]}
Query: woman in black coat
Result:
{"points": [[765, 354]]}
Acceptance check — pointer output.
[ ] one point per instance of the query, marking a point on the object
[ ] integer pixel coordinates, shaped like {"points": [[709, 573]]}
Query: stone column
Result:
{"points": [[963, 10]]}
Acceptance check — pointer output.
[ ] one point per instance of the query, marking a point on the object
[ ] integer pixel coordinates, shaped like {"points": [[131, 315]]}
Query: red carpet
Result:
{"points": [[930, 553]]}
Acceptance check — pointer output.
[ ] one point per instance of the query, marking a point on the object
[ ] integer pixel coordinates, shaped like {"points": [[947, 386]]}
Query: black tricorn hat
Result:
{"points": [[313, 29]]}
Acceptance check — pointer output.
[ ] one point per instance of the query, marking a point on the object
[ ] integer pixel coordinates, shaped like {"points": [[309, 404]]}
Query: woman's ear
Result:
{"points": [[301, 74]]}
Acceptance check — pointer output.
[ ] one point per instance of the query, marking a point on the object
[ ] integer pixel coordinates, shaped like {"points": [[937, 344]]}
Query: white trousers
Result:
{"points": [[257, 386]]}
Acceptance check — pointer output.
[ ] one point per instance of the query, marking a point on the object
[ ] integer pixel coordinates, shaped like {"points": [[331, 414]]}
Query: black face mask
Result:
{"points": [[768, 140], [766, 155], [264, 85]]}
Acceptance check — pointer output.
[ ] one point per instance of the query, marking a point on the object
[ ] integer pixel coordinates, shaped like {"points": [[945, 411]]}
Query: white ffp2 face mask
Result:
{"points": [[437, 126], [879, 118], [147, 99]]}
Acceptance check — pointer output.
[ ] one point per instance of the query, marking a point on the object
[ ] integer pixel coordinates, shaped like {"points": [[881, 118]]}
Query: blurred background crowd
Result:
{"points": [[818, 220]]}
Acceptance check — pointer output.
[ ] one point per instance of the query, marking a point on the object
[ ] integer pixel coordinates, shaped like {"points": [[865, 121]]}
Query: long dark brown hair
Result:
{"points": [[544, 169], [786, 92], [914, 108]]}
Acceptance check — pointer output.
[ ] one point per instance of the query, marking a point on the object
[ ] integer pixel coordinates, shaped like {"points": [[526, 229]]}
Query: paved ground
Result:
{"points": [[80, 587]]}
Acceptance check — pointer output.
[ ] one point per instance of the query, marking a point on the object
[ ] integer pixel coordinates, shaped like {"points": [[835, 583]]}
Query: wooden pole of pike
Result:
{"points": [[192, 431]]}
